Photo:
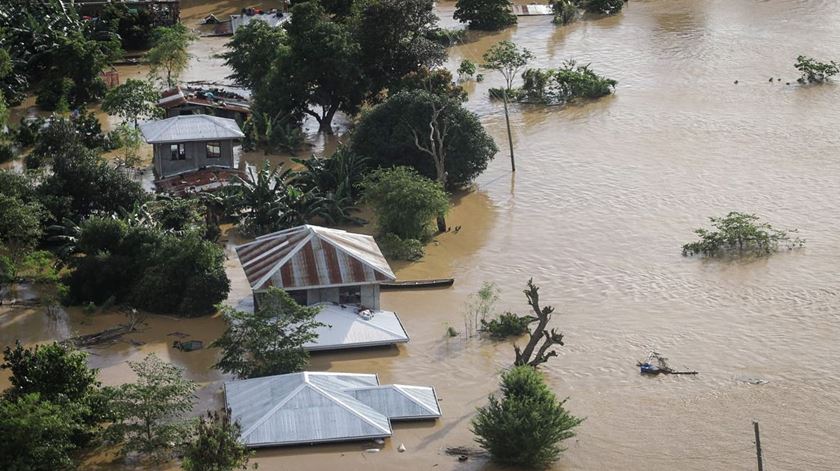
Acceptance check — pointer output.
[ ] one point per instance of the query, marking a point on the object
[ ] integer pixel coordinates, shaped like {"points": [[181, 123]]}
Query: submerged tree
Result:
{"points": [[132, 101], [531, 355], [169, 57], [606, 7], [152, 410], [269, 341], [564, 84], [487, 15], [740, 234], [525, 427], [814, 71], [215, 445]]}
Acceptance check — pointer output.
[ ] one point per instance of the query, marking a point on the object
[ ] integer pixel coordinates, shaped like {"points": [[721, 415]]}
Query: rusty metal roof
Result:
{"points": [[308, 256]]}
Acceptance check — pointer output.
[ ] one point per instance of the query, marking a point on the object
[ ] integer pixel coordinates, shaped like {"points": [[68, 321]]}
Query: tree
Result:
{"points": [[404, 201], [526, 426], [216, 445], [269, 341], [605, 7], [133, 25], [132, 101], [740, 234], [394, 36], [129, 139], [530, 355], [252, 51], [151, 411], [20, 224], [36, 434], [814, 71], [169, 54], [386, 134], [487, 15], [565, 11], [567, 83], [507, 59]]}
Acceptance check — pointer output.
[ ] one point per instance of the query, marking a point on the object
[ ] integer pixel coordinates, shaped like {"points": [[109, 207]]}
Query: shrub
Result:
{"points": [[487, 15], [7, 152], [28, 130], [507, 325], [815, 71], [467, 69], [606, 7], [446, 37], [557, 86], [565, 12], [404, 202], [401, 249], [216, 446], [740, 234], [524, 427]]}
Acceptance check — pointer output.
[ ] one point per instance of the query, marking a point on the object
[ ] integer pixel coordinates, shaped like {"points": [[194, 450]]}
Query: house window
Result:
{"points": [[177, 152], [214, 150], [350, 295]]}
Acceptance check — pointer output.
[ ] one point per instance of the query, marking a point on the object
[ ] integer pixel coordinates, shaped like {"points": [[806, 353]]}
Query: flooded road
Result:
{"points": [[604, 196]]}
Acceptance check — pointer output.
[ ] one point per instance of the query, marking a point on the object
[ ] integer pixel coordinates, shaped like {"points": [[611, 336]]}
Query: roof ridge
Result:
{"points": [[274, 409], [360, 259], [399, 388], [353, 411], [282, 262]]}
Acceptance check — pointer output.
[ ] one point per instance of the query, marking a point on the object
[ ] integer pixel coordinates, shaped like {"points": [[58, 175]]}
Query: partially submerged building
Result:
{"points": [[193, 152], [180, 101], [309, 407], [338, 270]]}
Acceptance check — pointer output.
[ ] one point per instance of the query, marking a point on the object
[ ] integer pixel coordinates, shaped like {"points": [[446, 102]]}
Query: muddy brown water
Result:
{"points": [[604, 195]]}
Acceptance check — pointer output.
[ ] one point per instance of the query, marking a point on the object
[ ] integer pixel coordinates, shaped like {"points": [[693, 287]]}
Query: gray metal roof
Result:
{"points": [[316, 407], [195, 127], [344, 328]]}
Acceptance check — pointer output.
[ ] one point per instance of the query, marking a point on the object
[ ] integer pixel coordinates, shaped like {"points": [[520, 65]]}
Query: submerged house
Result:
{"points": [[180, 101], [309, 407], [195, 151], [338, 270]]}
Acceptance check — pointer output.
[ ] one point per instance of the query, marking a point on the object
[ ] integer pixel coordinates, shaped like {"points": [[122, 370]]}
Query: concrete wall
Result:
{"points": [[322, 295], [196, 158], [370, 296]]}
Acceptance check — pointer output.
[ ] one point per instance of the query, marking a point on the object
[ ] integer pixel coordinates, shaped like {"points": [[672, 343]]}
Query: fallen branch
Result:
{"points": [[107, 335]]}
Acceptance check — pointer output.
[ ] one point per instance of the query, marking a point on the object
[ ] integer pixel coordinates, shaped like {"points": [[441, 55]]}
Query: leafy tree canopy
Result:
{"points": [[562, 85], [740, 234], [132, 101], [404, 201], [169, 56], [216, 446], [506, 58], [251, 52], [37, 434], [814, 71], [269, 341], [526, 425], [486, 15]]}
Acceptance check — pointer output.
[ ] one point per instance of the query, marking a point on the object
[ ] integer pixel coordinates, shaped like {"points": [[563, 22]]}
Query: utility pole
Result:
{"points": [[758, 447], [510, 138]]}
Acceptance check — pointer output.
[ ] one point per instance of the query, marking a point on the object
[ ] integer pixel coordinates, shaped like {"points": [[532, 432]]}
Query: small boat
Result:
{"points": [[418, 284]]}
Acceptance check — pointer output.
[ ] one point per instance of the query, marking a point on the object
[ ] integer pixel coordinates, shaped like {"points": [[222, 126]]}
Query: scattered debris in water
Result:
{"points": [[379, 441], [401, 448], [656, 364], [107, 335], [372, 450], [464, 452], [180, 335], [750, 380], [188, 346]]}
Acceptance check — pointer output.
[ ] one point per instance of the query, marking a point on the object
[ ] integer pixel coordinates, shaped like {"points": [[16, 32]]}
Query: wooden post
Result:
{"points": [[510, 137], [758, 447]]}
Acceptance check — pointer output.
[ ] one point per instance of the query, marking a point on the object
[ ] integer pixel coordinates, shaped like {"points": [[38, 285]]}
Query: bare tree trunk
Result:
{"points": [[524, 357], [436, 148]]}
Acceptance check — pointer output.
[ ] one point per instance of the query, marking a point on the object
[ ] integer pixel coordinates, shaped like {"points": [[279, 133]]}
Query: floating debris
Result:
{"points": [[372, 450], [188, 346], [401, 448], [750, 380], [657, 364]]}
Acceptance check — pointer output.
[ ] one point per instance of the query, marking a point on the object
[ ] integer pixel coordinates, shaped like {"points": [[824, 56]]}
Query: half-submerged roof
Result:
{"points": [[309, 256], [194, 127], [343, 327], [310, 407]]}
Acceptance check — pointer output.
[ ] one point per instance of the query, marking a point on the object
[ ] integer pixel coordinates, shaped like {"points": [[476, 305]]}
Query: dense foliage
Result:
{"points": [[558, 86], [269, 341], [396, 133], [565, 11], [487, 15], [215, 445], [151, 411], [133, 25], [405, 202], [37, 434], [53, 51], [605, 7], [525, 427], [506, 325], [147, 266], [814, 71], [740, 234]]}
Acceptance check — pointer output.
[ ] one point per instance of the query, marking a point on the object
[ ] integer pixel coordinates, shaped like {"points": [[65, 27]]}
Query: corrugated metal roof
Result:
{"points": [[194, 127], [309, 256], [312, 407], [344, 328]]}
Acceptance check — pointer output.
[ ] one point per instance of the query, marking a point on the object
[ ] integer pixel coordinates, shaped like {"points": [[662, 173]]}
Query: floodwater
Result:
{"points": [[604, 195]]}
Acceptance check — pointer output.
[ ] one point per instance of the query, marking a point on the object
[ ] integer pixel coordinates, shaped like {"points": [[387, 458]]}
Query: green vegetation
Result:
{"points": [[147, 266], [397, 133], [565, 11], [562, 85], [814, 71], [251, 52], [151, 412], [486, 15], [740, 234], [215, 446], [525, 427], [605, 7], [479, 306], [53, 408], [132, 101], [506, 325], [133, 25], [269, 341], [395, 248], [507, 59], [168, 57], [405, 202], [466, 69]]}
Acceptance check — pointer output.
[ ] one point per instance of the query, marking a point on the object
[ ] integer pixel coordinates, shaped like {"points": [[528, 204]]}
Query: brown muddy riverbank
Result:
{"points": [[604, 195]]}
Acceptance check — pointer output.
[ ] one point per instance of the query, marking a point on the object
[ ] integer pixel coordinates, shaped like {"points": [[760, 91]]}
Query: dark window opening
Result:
{"points": [[350, 295], [299, 296], [177, 152], [214, 150]]}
